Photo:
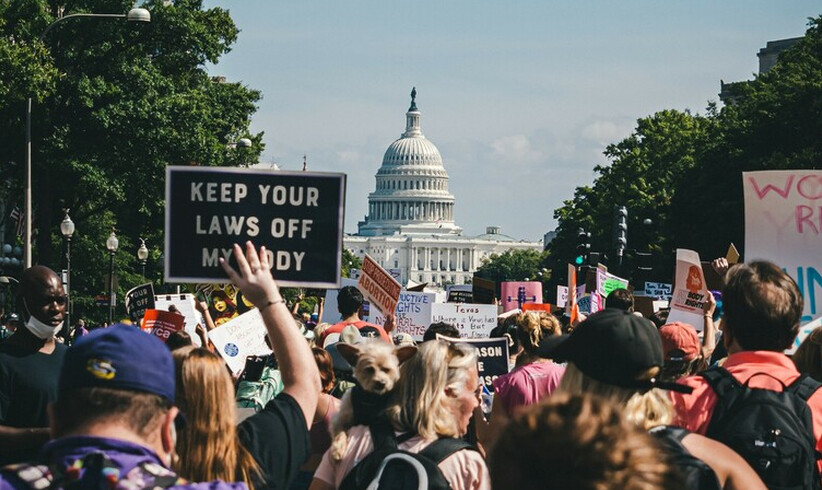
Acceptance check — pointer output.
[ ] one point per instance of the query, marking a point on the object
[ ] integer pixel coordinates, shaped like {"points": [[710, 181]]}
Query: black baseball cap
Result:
{"points": [[614, 347]]}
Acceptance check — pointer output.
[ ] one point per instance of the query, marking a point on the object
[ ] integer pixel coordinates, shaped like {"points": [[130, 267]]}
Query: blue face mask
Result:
{"points": [[39, 329]]}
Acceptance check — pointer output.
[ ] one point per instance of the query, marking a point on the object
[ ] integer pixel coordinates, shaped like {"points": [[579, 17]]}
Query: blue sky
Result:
{"points": [[520, 97]]}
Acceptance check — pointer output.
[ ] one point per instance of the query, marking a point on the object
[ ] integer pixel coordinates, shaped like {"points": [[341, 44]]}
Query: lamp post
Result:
{"points": [[111, 245], [67, 229], [133, 15], [142, 255]]}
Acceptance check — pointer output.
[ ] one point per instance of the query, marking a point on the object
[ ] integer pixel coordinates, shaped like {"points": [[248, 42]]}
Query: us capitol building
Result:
{"points": [[410, 223]]}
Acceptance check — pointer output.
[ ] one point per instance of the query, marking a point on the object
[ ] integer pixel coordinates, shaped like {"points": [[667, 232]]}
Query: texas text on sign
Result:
{"points": [[297, 216]]}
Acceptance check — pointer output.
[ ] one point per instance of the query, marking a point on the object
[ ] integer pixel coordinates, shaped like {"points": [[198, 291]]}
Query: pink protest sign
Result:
{"points": [[783, 224], [515, 294]]}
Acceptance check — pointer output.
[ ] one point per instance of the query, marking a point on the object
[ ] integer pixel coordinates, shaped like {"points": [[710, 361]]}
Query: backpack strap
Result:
{"points": [[382, 435], [676, 433], [804, 387], [440, 449]]}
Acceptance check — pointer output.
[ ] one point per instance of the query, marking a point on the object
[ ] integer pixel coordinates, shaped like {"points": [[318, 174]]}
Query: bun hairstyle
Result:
{"points": [[533, 327]]}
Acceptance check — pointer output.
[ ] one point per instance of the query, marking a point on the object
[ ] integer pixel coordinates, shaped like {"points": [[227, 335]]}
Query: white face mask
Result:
{"points": [[39, 329]]}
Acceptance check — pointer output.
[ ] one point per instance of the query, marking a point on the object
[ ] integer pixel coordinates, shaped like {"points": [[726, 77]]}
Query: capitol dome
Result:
{"points": [[411, 194]]}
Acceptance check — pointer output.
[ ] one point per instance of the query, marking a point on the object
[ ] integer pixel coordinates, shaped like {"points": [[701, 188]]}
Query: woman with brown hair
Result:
{"points": [[208, 446], [808, 356]]}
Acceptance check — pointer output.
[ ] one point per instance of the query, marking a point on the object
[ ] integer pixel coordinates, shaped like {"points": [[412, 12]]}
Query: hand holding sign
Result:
{"points": [[255, 279]]}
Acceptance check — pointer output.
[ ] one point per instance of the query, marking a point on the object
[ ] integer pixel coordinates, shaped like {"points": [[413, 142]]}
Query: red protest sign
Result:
{"points": [[378, 286], [162, 323]]}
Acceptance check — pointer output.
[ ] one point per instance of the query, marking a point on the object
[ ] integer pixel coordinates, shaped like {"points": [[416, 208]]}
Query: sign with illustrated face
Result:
{"points": [[297, 216]]}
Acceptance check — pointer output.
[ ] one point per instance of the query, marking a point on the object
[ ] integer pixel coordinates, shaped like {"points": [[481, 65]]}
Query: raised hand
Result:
{"points": [[254, 276]]}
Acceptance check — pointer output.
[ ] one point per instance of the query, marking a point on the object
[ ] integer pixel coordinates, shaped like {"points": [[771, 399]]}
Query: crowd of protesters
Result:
{"points": [[612, 401]]}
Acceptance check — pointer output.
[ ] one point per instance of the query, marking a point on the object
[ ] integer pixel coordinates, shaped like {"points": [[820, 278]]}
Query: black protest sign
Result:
{"points": [[297, 216], [138, 300], [483, 291], [492, 357]]}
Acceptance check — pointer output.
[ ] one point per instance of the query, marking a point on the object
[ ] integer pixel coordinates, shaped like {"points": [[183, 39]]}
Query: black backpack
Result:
{"points": [[772, 431], [390, 468], [696, 475]]}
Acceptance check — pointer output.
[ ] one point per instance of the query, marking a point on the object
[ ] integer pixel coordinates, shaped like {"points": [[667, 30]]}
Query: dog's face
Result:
{"points": [[377, 368]]}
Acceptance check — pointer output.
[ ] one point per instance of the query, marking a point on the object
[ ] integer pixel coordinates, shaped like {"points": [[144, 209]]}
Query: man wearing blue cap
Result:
{"points": [[114, 417]]}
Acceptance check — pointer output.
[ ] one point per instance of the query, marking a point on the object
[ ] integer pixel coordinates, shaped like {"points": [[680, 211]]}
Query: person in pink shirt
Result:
{"points": [[762, 310], [533, 379]]}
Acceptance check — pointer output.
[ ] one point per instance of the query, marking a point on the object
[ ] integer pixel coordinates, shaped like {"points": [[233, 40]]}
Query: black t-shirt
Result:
{"points": [[278, 439], [28, 383]]}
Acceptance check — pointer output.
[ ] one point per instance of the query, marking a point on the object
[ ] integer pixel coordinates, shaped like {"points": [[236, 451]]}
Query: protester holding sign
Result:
{"points": [[277, 437], [349, 303]]}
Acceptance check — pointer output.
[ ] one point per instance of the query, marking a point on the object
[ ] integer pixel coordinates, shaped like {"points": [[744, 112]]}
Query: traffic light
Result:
{"points": [[583, 246], [620, 232]]}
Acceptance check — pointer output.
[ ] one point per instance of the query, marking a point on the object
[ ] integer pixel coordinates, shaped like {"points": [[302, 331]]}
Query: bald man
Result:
{"points": [[30, 362]]}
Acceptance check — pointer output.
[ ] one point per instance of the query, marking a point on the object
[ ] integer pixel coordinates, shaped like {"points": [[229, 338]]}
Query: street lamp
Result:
{"points": [[142, 255], [111, 245], [67, 229], [133, 15]]}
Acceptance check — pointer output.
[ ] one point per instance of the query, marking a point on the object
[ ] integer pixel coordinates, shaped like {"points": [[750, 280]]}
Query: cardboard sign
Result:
{"points": [[185, 305], [297, 216], [690, 292], [732, 256], [472, 320], [492, 357], [658, 290], [138, 300], [412, 315], [161, 323], [378, 287], [607, 283], [515, 294], [571, 301], [562, 296], [804, 331], [783, 224], [240, 337], [484, 290]]}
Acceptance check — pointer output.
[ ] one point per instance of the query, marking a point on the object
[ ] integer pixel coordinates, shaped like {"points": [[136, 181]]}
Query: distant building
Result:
{"points": [[768, 56], [410, 223]]}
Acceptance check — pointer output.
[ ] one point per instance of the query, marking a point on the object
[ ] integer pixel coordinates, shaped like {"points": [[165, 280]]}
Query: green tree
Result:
{"points": [[643, 174], [515, 265], [773, 124], [115, 103]]}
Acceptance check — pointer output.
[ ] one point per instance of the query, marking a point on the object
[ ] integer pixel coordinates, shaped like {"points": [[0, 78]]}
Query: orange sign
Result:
{"points": [[162, 323], [378, 287]]}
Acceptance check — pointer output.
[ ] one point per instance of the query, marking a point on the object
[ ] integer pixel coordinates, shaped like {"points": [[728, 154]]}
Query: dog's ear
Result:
{"points": [[349, 352], [405, 352]]}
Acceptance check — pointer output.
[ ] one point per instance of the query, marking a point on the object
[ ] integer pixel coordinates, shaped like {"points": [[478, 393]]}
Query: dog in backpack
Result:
{"points": [[376, 368]]}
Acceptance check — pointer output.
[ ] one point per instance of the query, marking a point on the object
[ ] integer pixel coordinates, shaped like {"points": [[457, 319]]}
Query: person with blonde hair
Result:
{"points": [[208, 446], [578, 441], [432, 402], [532, 379], [618, 356]]}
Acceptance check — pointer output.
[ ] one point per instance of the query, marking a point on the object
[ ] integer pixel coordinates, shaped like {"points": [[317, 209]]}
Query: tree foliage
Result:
{"points": [[515, 265], [114, 103]]}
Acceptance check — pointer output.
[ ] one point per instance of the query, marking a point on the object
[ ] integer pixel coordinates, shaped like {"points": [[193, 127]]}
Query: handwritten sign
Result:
{"points": [[783, 224], [690, 293], [161, 323], [472, 320], [138, 300], [298, 216], [240, 337], [607, 283], [378, 287], [492, 357], [412, 314]]}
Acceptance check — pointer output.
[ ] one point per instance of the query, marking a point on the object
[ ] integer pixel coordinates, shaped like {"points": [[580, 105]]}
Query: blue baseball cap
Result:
{"points": [[120, 357]]}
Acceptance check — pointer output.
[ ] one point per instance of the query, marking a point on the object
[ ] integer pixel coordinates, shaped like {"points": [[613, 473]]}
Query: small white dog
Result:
{"points": [[376, 369]]}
